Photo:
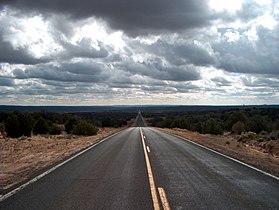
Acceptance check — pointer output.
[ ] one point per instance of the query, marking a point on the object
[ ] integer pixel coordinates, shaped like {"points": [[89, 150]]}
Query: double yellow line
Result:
{"points": [[163, 197]]}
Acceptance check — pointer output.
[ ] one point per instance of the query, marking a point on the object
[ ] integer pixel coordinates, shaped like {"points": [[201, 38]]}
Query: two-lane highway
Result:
{"points": [[118, 174]]}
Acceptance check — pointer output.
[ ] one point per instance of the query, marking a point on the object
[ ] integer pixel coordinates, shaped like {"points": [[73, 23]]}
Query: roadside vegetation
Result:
{"points": [[236, 121], [17, 124]]}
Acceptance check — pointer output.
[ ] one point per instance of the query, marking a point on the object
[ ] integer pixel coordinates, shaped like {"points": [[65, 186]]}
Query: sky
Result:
{"points": [[130, 52]]}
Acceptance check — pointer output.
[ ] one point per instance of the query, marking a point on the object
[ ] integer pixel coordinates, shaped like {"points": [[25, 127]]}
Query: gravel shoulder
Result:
{"points": [[263, 155], [23, 157]]}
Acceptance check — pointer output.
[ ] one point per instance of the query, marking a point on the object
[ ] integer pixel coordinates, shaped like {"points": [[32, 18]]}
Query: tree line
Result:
{"points": [[17, 124], [217, 122]]}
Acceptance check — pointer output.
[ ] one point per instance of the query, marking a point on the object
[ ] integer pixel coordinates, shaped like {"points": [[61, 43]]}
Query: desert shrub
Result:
{"points": [[106, 122], [85, 128], [198, 127], [11, 125], [233, 118], [19, 124], [41, 127], [212, 126], [276, 125], [182, 123], [168, 123], [26, 122], [247, 136], [263, 133], [112, 122], [257, 124], [54, 130], [238, 127], [69, 126], [2, 128]]}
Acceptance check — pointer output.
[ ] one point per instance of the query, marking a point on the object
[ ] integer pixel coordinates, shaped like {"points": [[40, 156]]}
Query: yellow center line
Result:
{"points": [[156, 204], [163, 196]]}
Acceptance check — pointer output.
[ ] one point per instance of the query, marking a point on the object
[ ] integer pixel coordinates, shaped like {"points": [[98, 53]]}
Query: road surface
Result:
{"points": [[115, 175]]}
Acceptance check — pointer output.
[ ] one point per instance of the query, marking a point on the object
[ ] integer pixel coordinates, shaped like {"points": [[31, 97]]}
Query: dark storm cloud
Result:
{"points": [[193, 54], [17, 56], [134, 17]]}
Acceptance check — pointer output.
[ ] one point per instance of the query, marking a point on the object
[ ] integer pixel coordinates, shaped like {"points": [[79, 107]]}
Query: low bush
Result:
{"points": [[69, 126], [85, 128], [55, 130], [212, 126], [238, 128], [41, 127]]}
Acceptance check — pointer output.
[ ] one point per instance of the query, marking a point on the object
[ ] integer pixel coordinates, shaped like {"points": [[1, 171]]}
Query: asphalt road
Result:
{"points": [[195, 178], [113, 175]]}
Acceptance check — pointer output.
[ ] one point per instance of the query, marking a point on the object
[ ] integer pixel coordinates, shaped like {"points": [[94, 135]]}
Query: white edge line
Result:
{"points": [[16, 190], [226, 156]]}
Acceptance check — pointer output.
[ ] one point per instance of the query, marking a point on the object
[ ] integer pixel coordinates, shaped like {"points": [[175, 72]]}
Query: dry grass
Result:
{"points": [[21, 158], [263, 155]]}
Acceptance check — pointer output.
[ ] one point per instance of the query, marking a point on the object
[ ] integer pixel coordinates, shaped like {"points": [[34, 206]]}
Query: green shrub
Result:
{"points": [[198, 127], [54, 130], [85, 128], [258, 124], [2, 128], [12, 125], [69, 126], [212, 126], [41, 127], [19, 124], [238, 127]]}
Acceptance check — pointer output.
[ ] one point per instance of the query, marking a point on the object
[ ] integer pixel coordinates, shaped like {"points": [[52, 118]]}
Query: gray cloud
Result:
{"points": [[261, 82], [83, 49], [250, 56], [17, 56], [6, 81], [179, 53], [219, 81], [134, 17], [249, 11], [67, 72], [157, 70]]}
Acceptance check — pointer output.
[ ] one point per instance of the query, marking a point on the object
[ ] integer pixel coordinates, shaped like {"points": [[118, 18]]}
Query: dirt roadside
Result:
{"points": [[23, 157], [254, 153]]}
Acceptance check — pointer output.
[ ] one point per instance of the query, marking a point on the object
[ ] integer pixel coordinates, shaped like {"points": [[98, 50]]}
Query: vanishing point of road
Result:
{"points": [[144, 168]]}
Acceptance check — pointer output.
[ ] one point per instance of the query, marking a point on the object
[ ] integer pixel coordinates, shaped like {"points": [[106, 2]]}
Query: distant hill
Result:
{"points": [[144, 108]]}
